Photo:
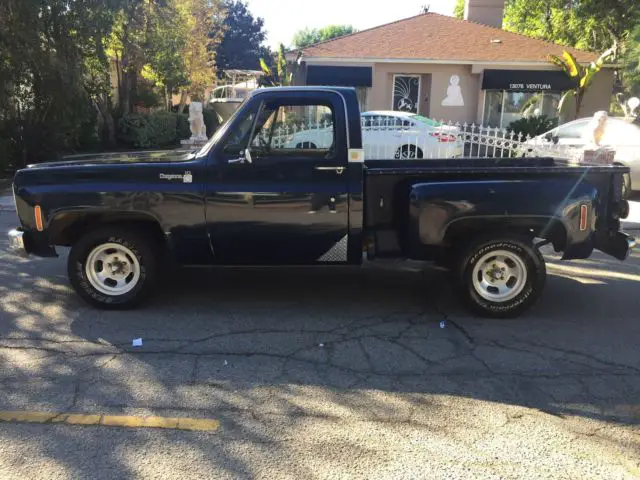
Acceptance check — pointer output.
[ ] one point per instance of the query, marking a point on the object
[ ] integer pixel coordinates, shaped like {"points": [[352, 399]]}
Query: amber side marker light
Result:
{"points": [[584, 216], [37, 211]]}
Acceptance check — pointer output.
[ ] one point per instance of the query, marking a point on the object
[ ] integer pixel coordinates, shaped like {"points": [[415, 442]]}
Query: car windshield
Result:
{"points": [[425, 120]]}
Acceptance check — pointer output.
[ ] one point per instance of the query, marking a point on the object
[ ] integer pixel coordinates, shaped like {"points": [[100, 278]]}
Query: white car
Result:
{"points": [[620, 134], [390, 134]]}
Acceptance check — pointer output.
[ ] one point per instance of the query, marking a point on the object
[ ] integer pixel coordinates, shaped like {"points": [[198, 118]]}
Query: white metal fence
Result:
{"points": [[394, 137]]}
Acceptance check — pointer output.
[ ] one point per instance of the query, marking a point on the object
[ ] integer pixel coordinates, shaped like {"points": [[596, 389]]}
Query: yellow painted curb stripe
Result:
{"points": [[124, 421]]}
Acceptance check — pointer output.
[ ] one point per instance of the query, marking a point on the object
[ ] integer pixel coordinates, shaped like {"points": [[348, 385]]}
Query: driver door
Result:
{"points": [[279, 197]]}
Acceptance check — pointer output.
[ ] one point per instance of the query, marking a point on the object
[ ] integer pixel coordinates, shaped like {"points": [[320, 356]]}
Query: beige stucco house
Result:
{"points": [[445, 68]]}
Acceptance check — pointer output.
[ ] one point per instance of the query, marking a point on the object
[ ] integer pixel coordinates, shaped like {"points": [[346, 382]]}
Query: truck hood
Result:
{"points": [[163, 156]]}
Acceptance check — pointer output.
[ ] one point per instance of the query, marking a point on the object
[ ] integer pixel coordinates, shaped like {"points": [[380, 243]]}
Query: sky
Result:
{"points": [[283, 18]]}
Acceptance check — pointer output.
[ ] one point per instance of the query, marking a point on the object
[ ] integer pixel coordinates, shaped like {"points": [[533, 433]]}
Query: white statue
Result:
{"points": [[594, 131], [454, 93], [198, 127]]}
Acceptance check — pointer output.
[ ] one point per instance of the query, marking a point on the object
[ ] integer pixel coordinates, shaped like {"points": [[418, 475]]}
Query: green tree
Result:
{"points": [[242, 44], [588, 24], [165, 67], [49, 75], [458, 10], [556, 21], [181, 55], [631, 62], [611, 20], [309, 36], [137, 25]]}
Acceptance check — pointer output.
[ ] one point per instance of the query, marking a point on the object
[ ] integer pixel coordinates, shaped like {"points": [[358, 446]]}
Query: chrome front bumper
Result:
{"points": [[16, 243]]}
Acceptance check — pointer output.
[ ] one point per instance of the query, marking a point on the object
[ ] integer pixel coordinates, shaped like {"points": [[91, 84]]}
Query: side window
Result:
{"points": [[383, 122], [239, 136], [294, 130], [572, 130]]}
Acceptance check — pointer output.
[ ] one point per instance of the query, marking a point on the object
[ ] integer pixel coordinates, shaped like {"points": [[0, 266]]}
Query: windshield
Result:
{"points": [[221, 131], [425, 120]]}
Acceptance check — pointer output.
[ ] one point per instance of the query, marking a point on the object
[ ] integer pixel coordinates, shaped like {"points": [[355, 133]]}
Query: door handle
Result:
{"points": [[338, 170]]}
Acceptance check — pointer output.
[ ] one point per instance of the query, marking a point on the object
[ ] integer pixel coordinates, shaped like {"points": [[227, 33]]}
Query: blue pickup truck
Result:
{"points": [[250, 196]]}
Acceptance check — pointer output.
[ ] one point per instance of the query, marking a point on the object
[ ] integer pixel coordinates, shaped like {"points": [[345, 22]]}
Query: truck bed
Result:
{"points": [[396, 189]]}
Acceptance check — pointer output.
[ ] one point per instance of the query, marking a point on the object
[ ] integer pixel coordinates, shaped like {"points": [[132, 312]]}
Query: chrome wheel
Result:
{"points": [[499, 276], [112, 269]]}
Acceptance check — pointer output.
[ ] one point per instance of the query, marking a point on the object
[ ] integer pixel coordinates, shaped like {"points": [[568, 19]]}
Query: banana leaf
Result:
{"points": [[564, 98], [572, 65], [265, 68]]}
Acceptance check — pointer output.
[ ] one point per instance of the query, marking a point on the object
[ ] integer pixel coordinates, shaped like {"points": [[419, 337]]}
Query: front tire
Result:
{"points": [[500, 277], [113, 267]]}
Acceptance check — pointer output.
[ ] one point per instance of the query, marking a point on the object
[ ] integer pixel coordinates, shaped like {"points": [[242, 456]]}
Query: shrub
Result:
{"points": [[163, 129], [134, 130], [533, 126], [153, 130]]}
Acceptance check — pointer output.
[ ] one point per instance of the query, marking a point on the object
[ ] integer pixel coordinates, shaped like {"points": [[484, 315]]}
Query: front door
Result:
{"points": [[278, 195]]}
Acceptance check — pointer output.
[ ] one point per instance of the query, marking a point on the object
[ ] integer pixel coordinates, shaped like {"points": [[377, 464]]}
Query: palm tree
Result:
{"points": [[282, 77], [580, 74]]}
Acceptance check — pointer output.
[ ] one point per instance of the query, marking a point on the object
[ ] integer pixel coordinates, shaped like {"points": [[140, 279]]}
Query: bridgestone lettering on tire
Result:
{"points": [[500, 277], [134, 271]]}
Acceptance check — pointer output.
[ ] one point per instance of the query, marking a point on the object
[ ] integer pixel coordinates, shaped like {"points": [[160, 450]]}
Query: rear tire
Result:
{"points": [[113, 267], [500, 277]]}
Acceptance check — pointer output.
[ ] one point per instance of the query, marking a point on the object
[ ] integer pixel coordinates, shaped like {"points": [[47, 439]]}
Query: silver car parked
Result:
{"points": [[621, 134]]}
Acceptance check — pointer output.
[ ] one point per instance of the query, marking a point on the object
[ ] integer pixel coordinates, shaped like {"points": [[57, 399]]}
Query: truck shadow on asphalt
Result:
{"points": [[373, 345]]}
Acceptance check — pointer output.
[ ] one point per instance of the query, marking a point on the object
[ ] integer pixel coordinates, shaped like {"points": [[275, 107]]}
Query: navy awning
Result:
{"points": [[527, 80], [339, 76]]}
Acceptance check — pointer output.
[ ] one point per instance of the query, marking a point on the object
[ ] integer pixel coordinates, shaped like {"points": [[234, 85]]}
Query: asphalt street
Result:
{"points": [[322, 373]]}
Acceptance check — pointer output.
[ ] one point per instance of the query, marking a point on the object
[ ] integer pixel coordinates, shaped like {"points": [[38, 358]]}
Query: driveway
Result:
{"points": [[320, 374]]}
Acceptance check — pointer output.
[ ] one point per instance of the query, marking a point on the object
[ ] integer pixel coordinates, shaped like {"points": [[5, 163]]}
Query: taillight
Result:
{"points": [[444, 137], [37, 212], [584, 217]]}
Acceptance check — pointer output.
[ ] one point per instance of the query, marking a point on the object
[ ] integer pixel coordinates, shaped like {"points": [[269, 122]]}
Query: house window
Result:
{"points": [[406, 93], [362, 93], [502, 107]]}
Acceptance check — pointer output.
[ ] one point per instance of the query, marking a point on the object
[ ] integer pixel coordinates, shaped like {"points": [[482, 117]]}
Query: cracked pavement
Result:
{"points": [[323, 374]]}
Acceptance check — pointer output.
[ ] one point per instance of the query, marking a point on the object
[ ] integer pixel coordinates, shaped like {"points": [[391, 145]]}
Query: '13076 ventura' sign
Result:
{"points": [[529, 86]]}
